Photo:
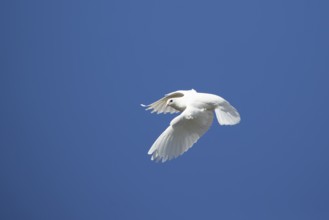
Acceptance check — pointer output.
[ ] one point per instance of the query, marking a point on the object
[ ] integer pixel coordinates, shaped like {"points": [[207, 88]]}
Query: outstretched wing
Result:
{"points": [[182, 133], [160, 105]]}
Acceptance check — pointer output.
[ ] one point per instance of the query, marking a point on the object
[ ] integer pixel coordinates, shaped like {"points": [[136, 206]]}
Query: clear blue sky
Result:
{"points": [[74, 139]]}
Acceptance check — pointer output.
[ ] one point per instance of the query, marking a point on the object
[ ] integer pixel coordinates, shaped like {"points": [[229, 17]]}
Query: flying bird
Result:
{"points": [[197, 113]]}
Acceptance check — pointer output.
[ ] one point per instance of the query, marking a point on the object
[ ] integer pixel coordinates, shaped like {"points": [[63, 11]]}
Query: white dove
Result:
{"points": [[195, 119]]}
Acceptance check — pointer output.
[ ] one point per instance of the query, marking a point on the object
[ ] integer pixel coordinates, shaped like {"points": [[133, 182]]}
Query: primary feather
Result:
{"points": [[196, 118]]}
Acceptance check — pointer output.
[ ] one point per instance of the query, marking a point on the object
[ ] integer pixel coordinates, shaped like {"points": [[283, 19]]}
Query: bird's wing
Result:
{"points": [[182, 133], [226, 114], [160, 105]]}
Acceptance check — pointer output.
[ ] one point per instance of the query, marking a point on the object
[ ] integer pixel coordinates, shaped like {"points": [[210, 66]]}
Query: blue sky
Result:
{"points": [[74, 139]]}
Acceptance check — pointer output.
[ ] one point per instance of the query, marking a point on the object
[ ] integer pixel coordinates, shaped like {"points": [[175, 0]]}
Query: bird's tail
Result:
{"points": [[226, 114]]}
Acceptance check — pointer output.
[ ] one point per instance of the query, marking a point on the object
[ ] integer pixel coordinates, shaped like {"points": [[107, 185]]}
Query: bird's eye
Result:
{"points": [[171, 100]]}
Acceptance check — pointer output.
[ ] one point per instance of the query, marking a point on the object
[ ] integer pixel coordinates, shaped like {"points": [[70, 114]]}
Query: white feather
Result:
{"points": [[226, 114], [181, 134], [195, 119]]}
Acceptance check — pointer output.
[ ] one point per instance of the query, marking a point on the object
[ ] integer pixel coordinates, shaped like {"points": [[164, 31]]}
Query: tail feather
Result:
{"points": [[226, 114]]}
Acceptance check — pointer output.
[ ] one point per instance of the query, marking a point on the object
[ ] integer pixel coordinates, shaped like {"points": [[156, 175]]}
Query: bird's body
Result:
{"points": [[196, 118]]}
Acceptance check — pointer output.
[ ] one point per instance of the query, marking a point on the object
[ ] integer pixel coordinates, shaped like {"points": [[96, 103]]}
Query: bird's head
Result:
{"points": [[171, 102], [176, 104]]}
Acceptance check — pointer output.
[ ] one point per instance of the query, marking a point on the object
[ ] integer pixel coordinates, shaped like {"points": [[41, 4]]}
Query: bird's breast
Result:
{"points": [[178, 108]]}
